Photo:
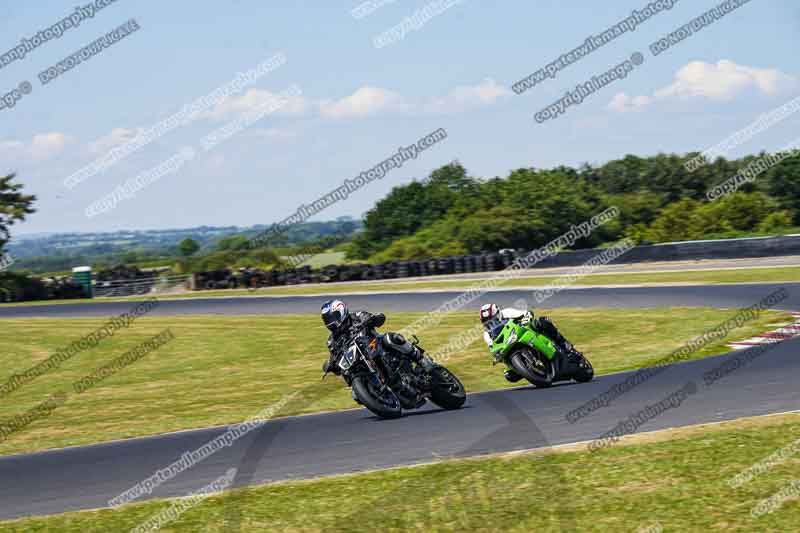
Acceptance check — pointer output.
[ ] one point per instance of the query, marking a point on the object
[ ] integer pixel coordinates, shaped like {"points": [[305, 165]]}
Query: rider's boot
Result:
{"points": [[549, 329], [511, 376]]}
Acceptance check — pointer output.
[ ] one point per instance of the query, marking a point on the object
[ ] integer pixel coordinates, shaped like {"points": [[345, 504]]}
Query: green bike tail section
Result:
{"points": [[525, 335]]}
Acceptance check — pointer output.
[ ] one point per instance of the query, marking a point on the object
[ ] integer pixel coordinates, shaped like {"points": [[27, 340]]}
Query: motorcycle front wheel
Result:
{"points": [[447, 392], [384, 404], [533, 366]]}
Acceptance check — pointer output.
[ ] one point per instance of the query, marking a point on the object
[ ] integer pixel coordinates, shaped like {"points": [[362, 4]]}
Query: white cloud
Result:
{"points": [[463, 98], [41, 147], [722, 81], [366, 101], [48, 145], [117, 137], [622, 103], [254, 99]]}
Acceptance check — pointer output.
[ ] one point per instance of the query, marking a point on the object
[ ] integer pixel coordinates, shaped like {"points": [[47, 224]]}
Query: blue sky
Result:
{"points": [[359, 102]]}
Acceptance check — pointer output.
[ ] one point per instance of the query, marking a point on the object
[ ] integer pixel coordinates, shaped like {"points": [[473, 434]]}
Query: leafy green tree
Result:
{"points": [[411, 207], [783, 184], [777, 221], [188, 246], [739, 211], [14, 206], [674, 222]]}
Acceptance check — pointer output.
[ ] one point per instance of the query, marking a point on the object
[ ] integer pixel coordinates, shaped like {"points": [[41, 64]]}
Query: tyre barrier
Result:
{"points": [[255, 278], [490, 262]]}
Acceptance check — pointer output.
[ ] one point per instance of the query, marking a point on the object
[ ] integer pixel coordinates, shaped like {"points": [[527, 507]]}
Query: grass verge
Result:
{"points": [[220, 370], [676, 480]]}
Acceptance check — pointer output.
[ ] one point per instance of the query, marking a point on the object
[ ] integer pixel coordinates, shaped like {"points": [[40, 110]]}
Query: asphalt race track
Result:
{"points": [[720, 296], [323, 444], [307, 446]]}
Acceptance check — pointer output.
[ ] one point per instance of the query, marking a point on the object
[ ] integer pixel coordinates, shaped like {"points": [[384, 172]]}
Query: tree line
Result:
{"points": [[454, 213]]}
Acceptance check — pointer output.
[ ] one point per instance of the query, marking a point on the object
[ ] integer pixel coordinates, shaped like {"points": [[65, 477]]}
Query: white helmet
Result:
{"points": [[488, 312]]}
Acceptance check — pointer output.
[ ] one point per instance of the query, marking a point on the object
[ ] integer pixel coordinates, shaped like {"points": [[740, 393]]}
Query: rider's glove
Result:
{"points": [[526, 318], [329, 366]]}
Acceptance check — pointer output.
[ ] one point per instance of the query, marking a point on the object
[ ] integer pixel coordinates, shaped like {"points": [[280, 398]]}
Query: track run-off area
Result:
{"points": [[354, 440]]}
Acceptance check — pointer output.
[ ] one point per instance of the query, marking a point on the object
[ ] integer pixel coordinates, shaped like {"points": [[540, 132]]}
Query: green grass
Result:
{"points": [[220, 370], [679, 484], [749, 275], [324, 259]]}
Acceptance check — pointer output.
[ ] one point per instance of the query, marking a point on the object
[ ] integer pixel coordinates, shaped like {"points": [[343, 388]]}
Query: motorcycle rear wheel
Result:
{"points": [[585, 372], [385, 406]]}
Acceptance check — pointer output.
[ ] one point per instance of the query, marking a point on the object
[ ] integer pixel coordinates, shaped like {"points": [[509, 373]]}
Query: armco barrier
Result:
{"points": [[688, 251], [678, 251]]}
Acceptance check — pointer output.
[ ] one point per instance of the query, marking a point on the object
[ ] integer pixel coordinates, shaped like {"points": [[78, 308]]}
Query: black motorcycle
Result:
{"points": [[383, 378]]}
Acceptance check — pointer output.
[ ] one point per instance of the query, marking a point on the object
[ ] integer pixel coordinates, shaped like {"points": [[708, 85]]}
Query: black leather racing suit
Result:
{"points": [[339, 339]]}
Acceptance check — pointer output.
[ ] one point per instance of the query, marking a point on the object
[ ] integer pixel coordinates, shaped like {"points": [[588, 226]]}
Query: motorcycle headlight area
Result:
{"points": [[348, 358]]}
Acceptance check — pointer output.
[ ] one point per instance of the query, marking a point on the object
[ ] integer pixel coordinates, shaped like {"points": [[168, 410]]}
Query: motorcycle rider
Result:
{"points": [[493, 318], [343, 325]]}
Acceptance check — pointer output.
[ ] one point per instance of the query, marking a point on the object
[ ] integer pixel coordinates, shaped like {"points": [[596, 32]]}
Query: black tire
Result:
{"points": [[448, 391], [585, 372], [369, 399], [533, 366]]}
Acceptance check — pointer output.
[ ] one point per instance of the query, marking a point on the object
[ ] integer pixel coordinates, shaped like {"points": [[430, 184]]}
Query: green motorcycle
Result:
{"points": [[535, 357]]}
